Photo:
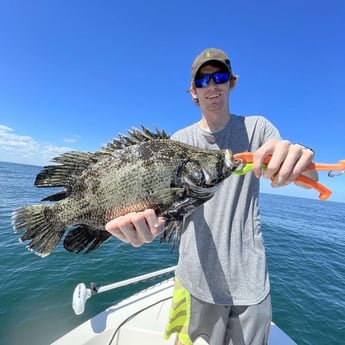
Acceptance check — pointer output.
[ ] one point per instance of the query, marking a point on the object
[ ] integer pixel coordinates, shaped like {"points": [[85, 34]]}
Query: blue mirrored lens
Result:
{"points": [[203, 81], [218, 78]]}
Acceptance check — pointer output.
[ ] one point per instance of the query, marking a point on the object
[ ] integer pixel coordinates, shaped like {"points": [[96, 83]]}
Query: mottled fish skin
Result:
{"points": [[135, 172]]}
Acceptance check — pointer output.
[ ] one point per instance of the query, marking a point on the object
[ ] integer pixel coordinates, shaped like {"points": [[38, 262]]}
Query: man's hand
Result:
{"points": [[288, 161], [136, 228]]}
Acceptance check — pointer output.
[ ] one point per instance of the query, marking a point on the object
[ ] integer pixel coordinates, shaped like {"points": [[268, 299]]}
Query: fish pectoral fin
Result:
{"points": [[167, 196], [83, 237], [172, 233]]}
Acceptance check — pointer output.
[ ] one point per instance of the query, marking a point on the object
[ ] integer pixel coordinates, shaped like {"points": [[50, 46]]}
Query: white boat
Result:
{"points": [[139, 319]]}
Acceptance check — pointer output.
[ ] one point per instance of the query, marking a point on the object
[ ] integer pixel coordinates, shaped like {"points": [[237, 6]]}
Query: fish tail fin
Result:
{"points": [[40, 228], [83, 237]]}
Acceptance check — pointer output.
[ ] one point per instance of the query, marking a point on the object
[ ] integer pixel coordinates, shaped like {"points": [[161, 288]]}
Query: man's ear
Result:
{"points": [[233, 81], [193, 92]]}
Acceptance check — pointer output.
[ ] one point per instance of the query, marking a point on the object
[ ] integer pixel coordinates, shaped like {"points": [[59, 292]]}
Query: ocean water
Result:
{"points": [[305, 241]]}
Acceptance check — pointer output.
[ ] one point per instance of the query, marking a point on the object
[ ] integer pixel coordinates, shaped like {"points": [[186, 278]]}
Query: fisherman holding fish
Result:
{"points": [[190, 185], [222, 281]]}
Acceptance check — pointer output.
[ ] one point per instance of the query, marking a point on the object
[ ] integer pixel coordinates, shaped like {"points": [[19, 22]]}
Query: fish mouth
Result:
{"points": [[229, 160]]}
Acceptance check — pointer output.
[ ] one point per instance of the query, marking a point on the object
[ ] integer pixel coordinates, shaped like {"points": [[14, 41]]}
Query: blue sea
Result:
{"points": [[305, 241]]}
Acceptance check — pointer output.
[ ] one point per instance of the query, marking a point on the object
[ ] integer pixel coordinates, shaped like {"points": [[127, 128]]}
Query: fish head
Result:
{"points": [[208, 168], [221, 167]]}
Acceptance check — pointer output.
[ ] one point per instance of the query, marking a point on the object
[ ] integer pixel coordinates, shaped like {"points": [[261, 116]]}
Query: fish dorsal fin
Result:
{"points": [[70, 164], [134, 137], [73, 163]]}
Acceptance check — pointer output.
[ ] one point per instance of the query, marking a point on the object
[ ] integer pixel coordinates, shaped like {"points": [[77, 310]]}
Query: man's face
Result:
{"points": [[213, 97]]}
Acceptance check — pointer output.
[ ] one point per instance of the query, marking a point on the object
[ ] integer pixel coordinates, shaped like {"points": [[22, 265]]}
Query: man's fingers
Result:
{"points": [[136, 228], [156, 224]]}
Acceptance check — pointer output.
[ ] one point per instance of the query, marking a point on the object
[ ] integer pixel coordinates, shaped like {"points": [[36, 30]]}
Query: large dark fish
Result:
{"points": [[135, 172]]}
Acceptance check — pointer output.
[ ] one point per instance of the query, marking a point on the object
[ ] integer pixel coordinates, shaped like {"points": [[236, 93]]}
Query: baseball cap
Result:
{"points": [[208, 55]]}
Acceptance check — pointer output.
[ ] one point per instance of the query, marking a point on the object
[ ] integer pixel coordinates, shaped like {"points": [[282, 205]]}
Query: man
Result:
{"points": [[222, 283]]}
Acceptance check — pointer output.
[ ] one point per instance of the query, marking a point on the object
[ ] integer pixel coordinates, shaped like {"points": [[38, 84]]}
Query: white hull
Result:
{"points": [[139, 319]]}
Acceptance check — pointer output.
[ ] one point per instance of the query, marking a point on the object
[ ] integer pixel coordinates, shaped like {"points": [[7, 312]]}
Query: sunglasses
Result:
{"points": [[218, 78]]}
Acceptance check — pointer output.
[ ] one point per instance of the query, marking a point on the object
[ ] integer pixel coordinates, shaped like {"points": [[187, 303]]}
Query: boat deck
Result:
{"points": [[140, 319]]}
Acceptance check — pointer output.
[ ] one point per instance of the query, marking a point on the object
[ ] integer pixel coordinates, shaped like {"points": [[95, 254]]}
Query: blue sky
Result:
{"points": [[73, 74]]}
